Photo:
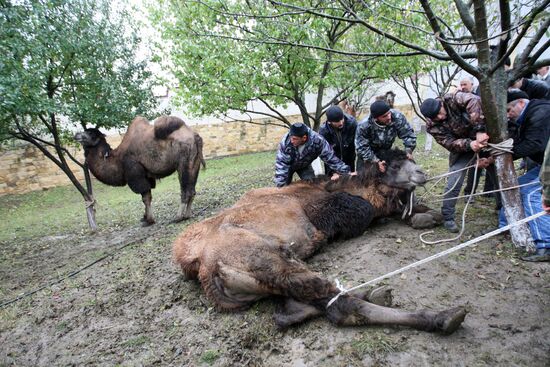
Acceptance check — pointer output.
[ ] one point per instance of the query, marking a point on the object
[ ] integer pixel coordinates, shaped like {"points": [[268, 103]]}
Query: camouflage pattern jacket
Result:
{"points": [[464, 119], [291, 159], [372, 137], [545, 175]]}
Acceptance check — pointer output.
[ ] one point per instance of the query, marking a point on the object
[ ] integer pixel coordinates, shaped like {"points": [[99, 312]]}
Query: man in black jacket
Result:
{"points": [[533, 121], [339, 131]]}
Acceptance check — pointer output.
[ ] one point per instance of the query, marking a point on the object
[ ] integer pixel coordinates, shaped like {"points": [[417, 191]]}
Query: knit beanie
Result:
{"points": [[298, 129], [379, 108], [430, 107], [334, 114]]}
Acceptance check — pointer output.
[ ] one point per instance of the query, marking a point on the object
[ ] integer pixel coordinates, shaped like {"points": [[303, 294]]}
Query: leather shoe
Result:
{"points": [[542, 254], [451, 226]]}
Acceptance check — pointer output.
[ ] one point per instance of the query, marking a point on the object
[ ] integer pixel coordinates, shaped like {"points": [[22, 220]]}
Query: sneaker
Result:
{"points": [[451, 226], [542, 254]]}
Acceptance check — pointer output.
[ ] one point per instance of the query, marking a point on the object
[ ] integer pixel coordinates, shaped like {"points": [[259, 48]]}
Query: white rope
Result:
{"points": [[487, 192], [436, 256], [463, 224]]}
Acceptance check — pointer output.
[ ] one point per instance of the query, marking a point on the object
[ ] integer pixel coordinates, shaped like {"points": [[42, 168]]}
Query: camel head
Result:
{"points": [[90, 138], [401, 172]]}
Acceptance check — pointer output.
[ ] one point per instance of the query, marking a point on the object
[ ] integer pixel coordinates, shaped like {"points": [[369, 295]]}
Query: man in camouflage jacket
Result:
{"points": [[457, 123], [378, 132], [298, 148]]}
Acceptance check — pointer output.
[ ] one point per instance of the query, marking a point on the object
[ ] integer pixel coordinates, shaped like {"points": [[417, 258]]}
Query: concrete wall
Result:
{"points": [[25, 168]]}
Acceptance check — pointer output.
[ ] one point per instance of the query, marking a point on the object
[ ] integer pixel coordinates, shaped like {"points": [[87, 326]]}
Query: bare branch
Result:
{"points": [[467, 19], [450, 51]]}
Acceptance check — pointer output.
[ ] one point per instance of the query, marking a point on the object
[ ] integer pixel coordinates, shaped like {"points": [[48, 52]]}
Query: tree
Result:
{"points": [[447, 32], [64, 65], [226, 54]]}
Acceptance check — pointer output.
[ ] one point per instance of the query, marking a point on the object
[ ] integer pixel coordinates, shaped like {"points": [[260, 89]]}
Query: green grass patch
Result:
{"points": [[210, 356], [375, 345], [137, 341]]}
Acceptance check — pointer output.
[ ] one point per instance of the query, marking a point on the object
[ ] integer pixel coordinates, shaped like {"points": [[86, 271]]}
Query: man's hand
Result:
{"points": [[381, 166], [545, 205], [476, 146], [353, 173], [334, 177], [482, 138], [409, 156], [485, 162]]}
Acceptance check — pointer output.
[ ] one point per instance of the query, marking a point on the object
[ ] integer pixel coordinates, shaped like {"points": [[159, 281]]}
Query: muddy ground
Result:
{"points": [[134, 308]]}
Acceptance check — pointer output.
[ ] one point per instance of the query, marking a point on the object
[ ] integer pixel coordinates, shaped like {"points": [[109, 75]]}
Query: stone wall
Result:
{"points": [[25, 168]]}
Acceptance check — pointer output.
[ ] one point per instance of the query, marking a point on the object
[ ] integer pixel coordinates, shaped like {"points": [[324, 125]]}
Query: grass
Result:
{"points": [[374, 344], [210, 356], [61, 209]]}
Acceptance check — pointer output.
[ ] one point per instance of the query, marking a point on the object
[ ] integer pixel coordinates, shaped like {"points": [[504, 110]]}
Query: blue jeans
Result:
{"points": [[531, 197]]}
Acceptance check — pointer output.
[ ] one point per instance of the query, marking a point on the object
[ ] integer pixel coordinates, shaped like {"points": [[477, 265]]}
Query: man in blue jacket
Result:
{"points": [[298, 148], [339, 131]]}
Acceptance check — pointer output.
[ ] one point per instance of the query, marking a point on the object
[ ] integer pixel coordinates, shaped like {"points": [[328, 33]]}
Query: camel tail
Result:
{"points": [[166, 125], [198, 145]]}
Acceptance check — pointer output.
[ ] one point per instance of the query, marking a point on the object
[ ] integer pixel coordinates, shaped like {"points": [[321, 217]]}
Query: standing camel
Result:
{"points": [[147, 153]]}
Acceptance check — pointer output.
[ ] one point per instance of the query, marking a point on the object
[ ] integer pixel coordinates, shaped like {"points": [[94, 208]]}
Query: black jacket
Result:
{"points": [[533, 131], [535, 89], [342, 141]]}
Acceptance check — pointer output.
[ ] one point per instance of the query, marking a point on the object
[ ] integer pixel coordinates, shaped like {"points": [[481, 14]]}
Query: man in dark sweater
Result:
{"points": [[533, 130], [339, 132]]}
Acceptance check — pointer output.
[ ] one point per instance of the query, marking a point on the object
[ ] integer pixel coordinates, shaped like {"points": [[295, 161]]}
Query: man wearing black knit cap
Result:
{"points": [[298, 148], [339, 131], [378, 131], [530, 141], [457, 123]]}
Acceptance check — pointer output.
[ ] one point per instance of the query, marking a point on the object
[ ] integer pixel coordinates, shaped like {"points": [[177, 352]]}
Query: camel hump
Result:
{"points": [[166, 125]]}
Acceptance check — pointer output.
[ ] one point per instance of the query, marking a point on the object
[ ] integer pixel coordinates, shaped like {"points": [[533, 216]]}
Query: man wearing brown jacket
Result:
{"points": [[457, 123]]}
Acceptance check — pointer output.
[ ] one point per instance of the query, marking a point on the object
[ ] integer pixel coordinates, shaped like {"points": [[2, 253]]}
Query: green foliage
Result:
{"points": [[226, 54], [69, 61]]}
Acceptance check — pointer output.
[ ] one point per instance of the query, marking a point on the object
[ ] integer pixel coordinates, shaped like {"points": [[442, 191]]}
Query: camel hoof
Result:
{"points": [[147, 223], [448, 321], [180, 219], [380, 296]]}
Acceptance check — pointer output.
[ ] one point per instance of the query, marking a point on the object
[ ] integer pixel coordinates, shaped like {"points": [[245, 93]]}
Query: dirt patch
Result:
{"points": [[134, 307]]}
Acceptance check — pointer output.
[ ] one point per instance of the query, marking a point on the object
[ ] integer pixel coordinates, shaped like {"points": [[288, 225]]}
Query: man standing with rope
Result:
{"points": [[457, 123], [530, 141]]}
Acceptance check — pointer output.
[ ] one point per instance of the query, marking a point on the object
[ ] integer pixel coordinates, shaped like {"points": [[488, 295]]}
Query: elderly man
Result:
{"points": [[467, 85], [339, 131], [378, 131], [530, 141], [457, 123], [543, 73], [298, 148]]}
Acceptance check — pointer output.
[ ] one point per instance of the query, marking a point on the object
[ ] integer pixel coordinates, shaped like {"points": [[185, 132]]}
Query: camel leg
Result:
{"points": [[147, 198], [188, 175], [353, 311], [293, 312]]}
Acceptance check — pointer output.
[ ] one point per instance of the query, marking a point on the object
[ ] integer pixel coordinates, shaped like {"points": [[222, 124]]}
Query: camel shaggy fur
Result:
{"points": [[147, 153], [256, 248]]}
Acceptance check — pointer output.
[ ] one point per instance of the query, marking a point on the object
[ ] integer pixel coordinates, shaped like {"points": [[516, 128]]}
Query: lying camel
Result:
{"points": [[255, 248], [146, 154]]}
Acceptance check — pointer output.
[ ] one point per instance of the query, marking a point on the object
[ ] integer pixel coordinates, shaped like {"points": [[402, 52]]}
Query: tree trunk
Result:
{"points": [[493, 94], [90, 201]]}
